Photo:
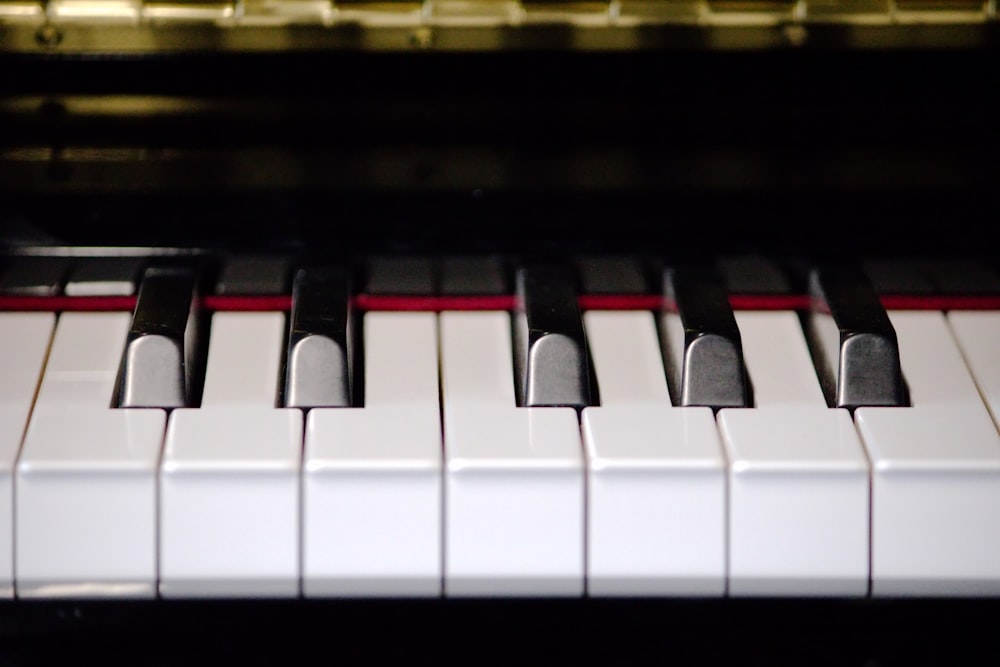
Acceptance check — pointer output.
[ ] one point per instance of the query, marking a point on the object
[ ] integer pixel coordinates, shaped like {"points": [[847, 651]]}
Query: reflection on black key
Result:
{"points": [[702, 349], [104, 276], [853, 342], [158, 364], [550, 351], [253, 274], [319, 366]]}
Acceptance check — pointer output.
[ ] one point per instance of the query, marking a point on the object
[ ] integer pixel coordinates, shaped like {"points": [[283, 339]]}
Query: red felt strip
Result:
{"points": [[379, 302], [433, 303]]}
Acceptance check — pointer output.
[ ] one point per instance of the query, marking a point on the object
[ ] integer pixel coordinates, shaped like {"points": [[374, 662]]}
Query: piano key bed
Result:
{"points": [[503, 438]]}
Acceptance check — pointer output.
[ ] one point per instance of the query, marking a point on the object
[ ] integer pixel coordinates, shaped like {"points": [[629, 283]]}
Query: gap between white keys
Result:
{"points": [[977, 333], [26, 338]]}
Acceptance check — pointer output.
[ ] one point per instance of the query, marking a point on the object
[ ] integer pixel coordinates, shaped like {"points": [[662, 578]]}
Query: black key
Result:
{"points": [[472, 275], [34, 276], [550, 351], [962, 277], [853, 342], [158, 366], [612, 275], [319, 367], [897, 276], [938, 277], [702, 348], [264, 275], [414, 276], [753, 274], [104, 276]]}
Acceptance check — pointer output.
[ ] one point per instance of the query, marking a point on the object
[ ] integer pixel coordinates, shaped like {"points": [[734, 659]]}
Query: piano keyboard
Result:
{"points": [[275, 429]]}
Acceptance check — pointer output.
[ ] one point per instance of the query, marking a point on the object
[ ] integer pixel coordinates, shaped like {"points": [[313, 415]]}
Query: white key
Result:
{"points": [[229, 481], [978, 335], [798, 483], [244, 354], [656, 519], [25, 339], [514, 495], [782, 373], [84, 359], [936, 473], [372, 480], [626, 357], [86, 478]]}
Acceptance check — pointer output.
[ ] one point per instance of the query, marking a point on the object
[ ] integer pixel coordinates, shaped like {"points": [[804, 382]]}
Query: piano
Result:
{"points": [[616, 332]]}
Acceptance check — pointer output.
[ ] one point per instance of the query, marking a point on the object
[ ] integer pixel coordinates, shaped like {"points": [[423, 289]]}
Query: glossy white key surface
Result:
{"points": [[798, 482], [84, 359], [229, 479], [372, 481], [936, 479], [978, 335], [401, 360], [86, 504], [778, 361], [25, 339], [244, 354], [626, 357], [656, 501], [514, 488], [476, 348], [229, 503], [798, 502], [86, 477], [656, 515]]}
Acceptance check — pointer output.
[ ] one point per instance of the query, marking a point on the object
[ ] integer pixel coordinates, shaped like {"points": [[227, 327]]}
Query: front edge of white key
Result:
{"points": [[229, 503], [656, 502], [514, 525]]}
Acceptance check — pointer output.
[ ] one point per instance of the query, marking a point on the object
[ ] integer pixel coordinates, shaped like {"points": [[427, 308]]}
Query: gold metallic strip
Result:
{"points": [[596, 33]]}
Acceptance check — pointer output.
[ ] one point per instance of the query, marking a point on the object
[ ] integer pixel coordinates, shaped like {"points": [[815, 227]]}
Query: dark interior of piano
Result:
{"points": [[626, 152]]}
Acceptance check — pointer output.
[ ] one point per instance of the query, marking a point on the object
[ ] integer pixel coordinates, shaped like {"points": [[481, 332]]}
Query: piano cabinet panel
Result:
{"points": [[501, 632]]}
